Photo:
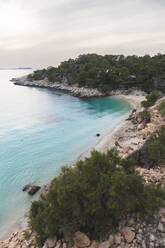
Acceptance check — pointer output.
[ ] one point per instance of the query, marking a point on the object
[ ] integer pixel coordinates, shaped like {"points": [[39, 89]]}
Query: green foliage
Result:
{"points": [[38, 75], [153, 151], [26, 235], [93, 197], [151, 99], [162, 109], [109, 72], [145, 116]]}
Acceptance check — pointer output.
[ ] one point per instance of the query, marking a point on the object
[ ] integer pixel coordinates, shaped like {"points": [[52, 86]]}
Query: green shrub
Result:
{"points": [[26, 235], [145, 116], [153, 151], [162, 109], [110, 72], [93, 197], [151, 99]]}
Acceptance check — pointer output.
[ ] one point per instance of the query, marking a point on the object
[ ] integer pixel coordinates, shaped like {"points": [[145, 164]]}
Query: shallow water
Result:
{"points": [[40, 130]]}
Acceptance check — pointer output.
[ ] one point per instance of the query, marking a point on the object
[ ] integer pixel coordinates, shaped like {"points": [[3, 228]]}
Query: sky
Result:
{"points": [[40, 33]]}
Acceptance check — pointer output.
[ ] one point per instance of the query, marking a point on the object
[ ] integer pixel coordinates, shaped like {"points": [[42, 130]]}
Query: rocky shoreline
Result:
{"points": [[133, 231], [108, 141], [73, 90]]}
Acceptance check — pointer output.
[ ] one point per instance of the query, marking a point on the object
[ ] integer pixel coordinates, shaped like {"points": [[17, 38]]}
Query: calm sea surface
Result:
{"points": [[40, 130]]}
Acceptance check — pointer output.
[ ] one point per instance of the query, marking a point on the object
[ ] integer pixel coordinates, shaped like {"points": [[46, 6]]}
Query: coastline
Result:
{"points": [[108, 140], [73, 90], [133, 127], [133, 98]]}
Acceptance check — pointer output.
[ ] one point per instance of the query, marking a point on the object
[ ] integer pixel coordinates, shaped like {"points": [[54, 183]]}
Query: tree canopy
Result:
{"points": [[93, 197], [109, 72]]}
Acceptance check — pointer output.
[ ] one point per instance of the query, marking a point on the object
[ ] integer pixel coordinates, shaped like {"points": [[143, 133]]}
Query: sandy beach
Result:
{"points": [[120, 131]]}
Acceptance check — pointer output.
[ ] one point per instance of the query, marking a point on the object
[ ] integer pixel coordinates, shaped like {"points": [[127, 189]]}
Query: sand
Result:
{"points": [[120, 131]]}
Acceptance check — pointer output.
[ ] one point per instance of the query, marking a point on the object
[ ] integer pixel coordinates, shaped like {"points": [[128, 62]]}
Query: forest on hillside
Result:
{"points": [[109, 72]]}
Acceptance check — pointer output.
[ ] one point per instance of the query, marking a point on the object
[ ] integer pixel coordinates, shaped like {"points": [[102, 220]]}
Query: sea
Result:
{"points": [[40, 131]]}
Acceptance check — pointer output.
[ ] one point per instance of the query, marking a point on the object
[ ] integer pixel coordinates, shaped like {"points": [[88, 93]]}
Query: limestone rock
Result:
{"points": [[128, 234], [160, 227], [81, 239], [117, 239], [51, 242], [111, 240], [152, 237], [104, 244], [94, 244]]}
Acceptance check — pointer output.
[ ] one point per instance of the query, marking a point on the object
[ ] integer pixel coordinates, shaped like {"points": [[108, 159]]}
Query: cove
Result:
{"points": [[41, 130]]}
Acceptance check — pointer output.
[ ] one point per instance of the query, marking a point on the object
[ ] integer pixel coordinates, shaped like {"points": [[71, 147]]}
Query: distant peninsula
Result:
{"points": [[97, 75]]}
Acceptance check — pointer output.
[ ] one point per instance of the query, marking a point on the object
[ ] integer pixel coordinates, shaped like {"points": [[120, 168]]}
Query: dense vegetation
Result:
{"points": [[109, 72], [162, 109], [153, 152], [93, 197], [151, 99]]}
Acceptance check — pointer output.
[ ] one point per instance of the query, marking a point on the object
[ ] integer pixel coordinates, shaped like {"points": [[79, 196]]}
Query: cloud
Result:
{"points": [[46, 32]]}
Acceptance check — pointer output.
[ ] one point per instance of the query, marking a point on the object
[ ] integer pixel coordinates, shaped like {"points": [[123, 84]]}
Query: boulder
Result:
{"points": [[111, 240], [117, 239], [161, 227], [133, 111], [50, 242], [81, 239], [33, 189], [94, 244], [128, 234], [58, 244], [104, 244], [26, 187], [141, 126]]}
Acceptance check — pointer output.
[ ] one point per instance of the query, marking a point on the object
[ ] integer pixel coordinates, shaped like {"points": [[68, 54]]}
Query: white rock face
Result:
{"points": [[128, 234], [81, 239], [73, 90]]}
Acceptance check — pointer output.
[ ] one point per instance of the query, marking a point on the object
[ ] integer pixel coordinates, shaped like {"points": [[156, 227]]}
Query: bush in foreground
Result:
{"points": [[93, 197]]}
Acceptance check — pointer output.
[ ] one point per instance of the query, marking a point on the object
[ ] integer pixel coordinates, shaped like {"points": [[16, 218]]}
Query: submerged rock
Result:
{"points": [[31, 189], [26, 187]]}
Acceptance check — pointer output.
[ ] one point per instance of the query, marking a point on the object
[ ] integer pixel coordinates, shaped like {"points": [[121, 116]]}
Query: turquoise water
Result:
{"points": [[40, 130]]}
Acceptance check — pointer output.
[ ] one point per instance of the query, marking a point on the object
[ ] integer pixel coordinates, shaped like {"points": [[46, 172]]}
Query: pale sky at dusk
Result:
{"points": [[40, 33]]}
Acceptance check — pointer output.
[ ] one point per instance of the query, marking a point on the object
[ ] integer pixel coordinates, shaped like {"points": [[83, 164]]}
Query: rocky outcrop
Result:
{"points": [[137, 129], [23, 239], [31, 189], [81, 240], [73, 90], [128, 234], [45, 190]]}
